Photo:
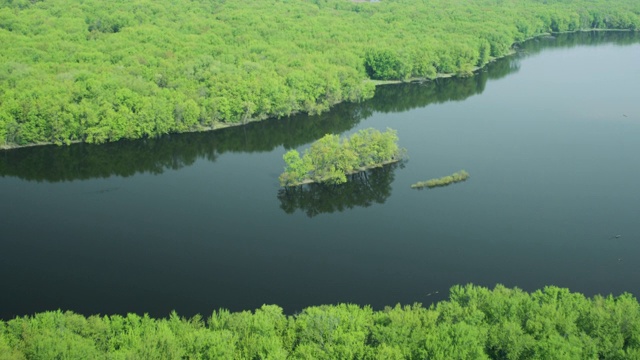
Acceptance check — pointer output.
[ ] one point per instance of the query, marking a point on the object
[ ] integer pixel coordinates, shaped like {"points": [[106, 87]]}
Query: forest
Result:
{"points": [[95, 71], [330, 159], [475, 323]]}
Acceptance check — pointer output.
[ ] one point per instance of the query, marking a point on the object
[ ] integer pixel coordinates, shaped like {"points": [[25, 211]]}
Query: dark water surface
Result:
{"points": [[196, 222]]}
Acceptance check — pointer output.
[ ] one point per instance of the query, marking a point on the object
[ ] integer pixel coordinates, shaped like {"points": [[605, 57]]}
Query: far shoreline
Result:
{"points": [[221, 125]]}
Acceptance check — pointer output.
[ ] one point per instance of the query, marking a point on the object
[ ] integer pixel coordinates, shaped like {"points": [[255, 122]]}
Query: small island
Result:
{"points": [[330, 159], [443, 181]]}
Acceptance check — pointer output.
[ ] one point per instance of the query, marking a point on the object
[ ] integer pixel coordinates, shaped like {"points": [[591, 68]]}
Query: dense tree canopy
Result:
{"points": [[475, 323], [330, 159], [98, 71]]}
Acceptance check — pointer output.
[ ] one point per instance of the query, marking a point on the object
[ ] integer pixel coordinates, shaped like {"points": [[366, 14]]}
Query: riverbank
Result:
{"points": [[217, 126], [512, 52], [223, 125], [471, 324]]}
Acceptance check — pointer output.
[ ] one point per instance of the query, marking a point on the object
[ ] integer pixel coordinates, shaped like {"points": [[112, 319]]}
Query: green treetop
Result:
{"points": [[99, 71], [331, 159]]}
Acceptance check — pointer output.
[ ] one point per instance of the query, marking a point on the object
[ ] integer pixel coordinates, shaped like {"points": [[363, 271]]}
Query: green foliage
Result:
{"points": [[330, 159], [333, 332], [104, 71], [297, 169], [443, 181], [475, 323], [386, 65]]}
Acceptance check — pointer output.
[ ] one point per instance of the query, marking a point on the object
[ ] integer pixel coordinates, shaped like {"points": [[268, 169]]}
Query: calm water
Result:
{"points": [[197, 222]]}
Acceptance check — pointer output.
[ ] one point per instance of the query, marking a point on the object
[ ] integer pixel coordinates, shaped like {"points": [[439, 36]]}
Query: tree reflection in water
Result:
{"points": [[127, 158], [361, 190]]}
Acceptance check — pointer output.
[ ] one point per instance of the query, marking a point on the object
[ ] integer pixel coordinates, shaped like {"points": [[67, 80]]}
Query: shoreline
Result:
{"points": [[359, 170], [219, 126], [511, 52]]}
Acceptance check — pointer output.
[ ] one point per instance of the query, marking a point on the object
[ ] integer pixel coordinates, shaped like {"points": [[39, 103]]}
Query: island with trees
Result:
{"points": [[99, 71], [474, 323], [330, 159]]}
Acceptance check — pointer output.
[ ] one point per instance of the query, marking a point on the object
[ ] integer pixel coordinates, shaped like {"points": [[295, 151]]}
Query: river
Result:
{"points": [[197, 222]]}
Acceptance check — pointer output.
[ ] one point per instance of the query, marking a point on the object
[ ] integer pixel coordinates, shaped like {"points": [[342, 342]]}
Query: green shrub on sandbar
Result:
{"points": [[443, 181], [474, 323], [331, 159]]}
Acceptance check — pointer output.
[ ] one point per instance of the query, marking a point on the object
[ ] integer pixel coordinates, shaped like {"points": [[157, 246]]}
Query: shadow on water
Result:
{"points": [[566, 41], [362, 190], [126, 158], [395, 98]]}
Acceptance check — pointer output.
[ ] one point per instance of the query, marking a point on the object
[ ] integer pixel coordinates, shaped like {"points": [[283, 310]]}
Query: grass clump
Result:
{"points": [[443, 181]]}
